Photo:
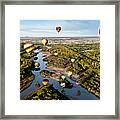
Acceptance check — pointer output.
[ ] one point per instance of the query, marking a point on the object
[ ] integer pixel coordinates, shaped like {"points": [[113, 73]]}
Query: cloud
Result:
{"points": [[70, 28]]}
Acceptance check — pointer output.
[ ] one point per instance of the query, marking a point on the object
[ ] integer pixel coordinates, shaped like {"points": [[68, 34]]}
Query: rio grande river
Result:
{"points": [[72, 93]]}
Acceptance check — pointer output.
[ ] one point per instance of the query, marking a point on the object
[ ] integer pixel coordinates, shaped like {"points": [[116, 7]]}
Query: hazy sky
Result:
{"points": [[70, 28]]}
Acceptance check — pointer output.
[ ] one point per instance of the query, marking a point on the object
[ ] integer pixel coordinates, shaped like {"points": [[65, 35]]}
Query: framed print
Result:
{"points": [[59, 59]]}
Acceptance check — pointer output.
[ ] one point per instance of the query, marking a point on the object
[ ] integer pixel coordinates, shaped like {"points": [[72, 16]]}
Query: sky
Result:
{"points": [[70, 28]]}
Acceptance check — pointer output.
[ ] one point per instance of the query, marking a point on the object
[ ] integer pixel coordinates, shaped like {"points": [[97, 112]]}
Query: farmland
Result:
{"points": [[81, 60]]}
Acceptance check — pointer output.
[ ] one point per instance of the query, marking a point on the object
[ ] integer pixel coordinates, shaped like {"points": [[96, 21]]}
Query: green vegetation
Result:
{"points": [[60, 77], [82, 60], [79, 62], [26, 65], [46, 73], [46, 93]]}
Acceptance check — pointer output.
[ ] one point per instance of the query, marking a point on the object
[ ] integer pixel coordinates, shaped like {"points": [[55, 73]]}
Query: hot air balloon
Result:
{"points": [[45, 82], [62, 85], [63, 77], [37, 65], [44, 41], [72, 60], [58, 29], [55, 54], [99, 31]]}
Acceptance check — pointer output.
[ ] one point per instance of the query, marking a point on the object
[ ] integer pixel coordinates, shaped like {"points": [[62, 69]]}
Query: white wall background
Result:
{"points": [[18, 105]]}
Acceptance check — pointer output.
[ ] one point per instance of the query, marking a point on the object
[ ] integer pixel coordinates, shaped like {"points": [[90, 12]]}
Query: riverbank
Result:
{"points": [[74, 78], [27, 64], [91, 90], [84, 68], [26, 82], [61, 78], [56, 69], [46, 93]]}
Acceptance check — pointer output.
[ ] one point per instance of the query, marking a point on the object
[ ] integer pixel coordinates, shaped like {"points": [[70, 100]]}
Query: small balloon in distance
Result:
{"points": [[44, 41], [58, 29]]}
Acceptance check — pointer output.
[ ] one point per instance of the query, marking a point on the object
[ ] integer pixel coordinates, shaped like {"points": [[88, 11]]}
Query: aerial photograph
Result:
{"points": [[59, 60]]}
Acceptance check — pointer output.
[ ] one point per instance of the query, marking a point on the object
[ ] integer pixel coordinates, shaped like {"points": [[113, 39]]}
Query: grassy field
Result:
{"points": [[81, 63]]}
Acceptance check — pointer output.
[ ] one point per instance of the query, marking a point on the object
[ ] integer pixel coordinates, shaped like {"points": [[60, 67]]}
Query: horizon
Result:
{"points": [[61, 37]]}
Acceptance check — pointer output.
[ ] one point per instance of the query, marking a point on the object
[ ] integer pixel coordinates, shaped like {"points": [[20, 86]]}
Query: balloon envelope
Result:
{"points": [[55, 53], [45, 82], [44, 41], [63, 77], [58, 29], [37, 65], [72, 60]]}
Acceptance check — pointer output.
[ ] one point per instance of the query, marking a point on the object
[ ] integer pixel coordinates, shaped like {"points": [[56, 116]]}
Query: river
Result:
{"points": [[72, 93]]}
